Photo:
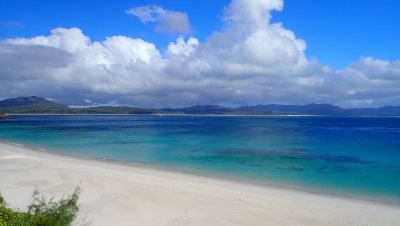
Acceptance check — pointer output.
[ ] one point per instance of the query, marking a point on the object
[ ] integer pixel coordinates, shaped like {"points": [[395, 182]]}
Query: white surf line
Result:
{"points": [[40, 149], [7, 157], [15, 144], [22, 145]]}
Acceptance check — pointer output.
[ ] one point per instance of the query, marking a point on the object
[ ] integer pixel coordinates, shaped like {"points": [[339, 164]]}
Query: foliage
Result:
{"points": [[42, 211]]}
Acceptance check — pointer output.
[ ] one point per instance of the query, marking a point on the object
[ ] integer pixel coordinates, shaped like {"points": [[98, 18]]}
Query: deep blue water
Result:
{"points": [[357, 156]]}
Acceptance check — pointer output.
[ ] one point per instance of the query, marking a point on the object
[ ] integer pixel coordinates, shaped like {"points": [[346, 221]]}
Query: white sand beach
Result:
{"points": [[116, 194]]}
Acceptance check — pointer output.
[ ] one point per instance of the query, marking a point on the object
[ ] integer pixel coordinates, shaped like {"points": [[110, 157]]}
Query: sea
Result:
{"points": [[357, 157]]}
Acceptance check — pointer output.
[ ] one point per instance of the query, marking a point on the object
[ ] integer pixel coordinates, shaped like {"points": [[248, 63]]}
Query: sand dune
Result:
{"points": [[114, 194]]}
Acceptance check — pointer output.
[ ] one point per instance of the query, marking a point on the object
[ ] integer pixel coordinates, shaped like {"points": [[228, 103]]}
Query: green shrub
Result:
{"points": [[42, 211]]}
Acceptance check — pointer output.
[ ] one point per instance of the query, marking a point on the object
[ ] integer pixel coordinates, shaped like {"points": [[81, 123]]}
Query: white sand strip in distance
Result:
{"points": [[116, 194]]}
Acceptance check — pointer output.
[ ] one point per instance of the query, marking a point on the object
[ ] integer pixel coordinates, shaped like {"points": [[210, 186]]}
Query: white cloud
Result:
{"points": [[147, 13], [248, 61], [249, 44], [183, 48], [167, 21], [250, 15], [71, 40]]}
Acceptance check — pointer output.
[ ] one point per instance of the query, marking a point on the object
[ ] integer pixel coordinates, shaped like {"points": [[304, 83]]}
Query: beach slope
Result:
{"points": [[116, 194]]}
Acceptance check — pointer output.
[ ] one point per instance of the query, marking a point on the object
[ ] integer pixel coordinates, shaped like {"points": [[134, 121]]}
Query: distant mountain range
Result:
{"points": [[38, 105]]}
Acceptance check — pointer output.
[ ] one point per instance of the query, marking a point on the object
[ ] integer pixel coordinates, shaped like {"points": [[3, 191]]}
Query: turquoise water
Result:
{"points": [[356, 156]]}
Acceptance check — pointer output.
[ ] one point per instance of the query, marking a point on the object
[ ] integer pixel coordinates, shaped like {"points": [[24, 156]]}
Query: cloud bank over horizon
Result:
{"points": [[250, 60]]}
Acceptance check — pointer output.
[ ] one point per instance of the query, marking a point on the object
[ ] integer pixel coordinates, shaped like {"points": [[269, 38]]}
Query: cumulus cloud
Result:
{"points": [[167, 21], [71, 40], [248, 61]]}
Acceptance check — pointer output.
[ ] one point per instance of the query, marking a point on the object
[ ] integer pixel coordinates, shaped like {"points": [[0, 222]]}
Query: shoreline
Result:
{"points": [[330, 192], [175, 198]]}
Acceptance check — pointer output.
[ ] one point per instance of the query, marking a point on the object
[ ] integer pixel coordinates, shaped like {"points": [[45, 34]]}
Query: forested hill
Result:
{"points": [[38, 105]]}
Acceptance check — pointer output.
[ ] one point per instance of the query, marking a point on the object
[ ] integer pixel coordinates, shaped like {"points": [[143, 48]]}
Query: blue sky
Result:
{"points": [[337, 32], [177, 53]]}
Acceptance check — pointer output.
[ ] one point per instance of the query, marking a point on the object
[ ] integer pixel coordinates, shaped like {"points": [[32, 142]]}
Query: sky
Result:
{"points": [[174, 53]]}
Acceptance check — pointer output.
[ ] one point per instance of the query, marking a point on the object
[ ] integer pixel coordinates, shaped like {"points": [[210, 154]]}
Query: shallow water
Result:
{"points": [[357, 156]]}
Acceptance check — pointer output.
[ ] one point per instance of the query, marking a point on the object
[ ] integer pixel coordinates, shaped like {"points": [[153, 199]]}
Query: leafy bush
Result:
{"points": [[42, 211]]}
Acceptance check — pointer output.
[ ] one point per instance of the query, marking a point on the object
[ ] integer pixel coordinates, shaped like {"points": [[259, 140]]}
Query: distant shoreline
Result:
{"points": [[35, 104], [170, 114], [216, 115]]}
